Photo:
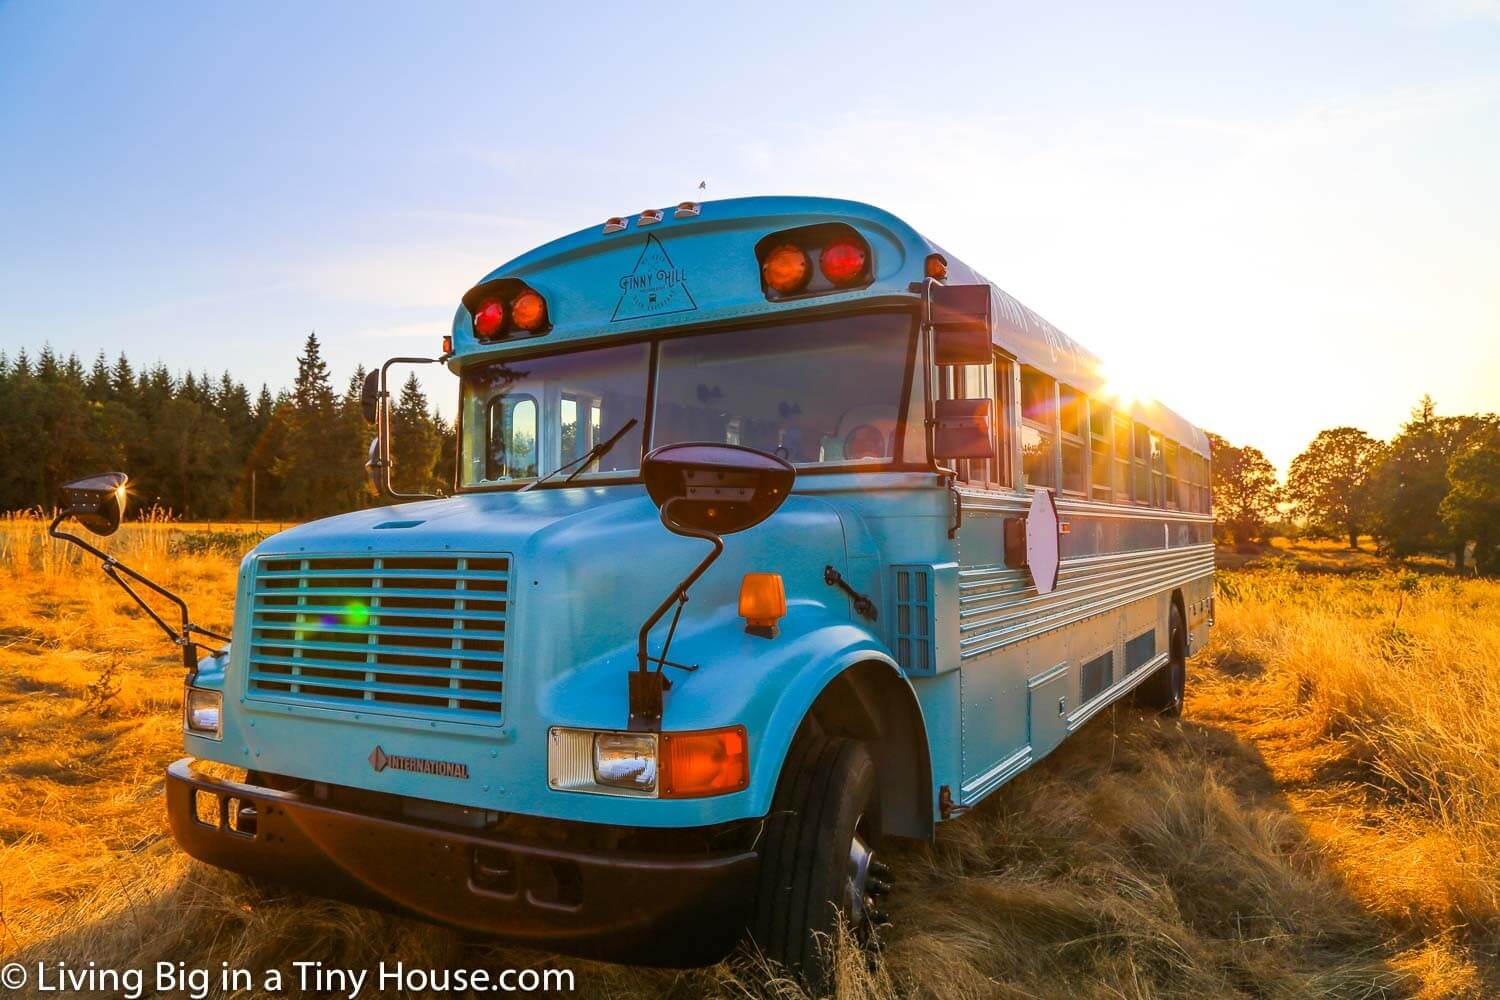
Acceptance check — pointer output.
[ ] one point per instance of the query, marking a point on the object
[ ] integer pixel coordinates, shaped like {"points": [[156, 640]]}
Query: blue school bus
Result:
{"points": [[777, 531]]}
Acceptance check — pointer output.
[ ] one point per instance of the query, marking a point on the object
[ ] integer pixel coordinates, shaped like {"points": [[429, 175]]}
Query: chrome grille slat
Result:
{"points": [[432, 652], [420, 636], [493, 635]]}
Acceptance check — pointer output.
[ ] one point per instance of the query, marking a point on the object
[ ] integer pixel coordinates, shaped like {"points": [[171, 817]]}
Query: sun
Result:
{"points": [[1126, 385]]}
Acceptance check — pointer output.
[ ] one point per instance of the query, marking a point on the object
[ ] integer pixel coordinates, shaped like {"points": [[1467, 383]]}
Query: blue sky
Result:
{"points": [[1277, 217]]}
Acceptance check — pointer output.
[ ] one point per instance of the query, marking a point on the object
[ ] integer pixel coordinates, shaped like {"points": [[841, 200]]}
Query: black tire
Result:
{"points": [[1164, 690], [827, 793]]}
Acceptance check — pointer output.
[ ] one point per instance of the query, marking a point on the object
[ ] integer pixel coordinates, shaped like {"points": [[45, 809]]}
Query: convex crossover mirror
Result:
{"points": [[959, 316], [96, 502], [721, 488], [369, 397]]}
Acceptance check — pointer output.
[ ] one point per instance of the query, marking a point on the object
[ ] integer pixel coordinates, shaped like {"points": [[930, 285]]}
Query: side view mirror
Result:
{"points": [[703, 491], [715, 488], [369, 397], [963, 429], [959, 316], [97, 502]]}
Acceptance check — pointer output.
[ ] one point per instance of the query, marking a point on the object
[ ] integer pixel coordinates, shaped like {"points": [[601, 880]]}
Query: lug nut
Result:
{"points": [[880, 918], [880, 869], [876, 887]]}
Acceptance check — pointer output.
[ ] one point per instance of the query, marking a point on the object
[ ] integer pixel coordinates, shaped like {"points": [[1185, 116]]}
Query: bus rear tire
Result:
{"points": [[818, 864], [1165, 689]]}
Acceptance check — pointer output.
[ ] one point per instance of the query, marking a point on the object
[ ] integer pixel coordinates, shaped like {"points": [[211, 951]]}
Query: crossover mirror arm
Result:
{"points": [[703, 490], [182, 634], [375, 403]]}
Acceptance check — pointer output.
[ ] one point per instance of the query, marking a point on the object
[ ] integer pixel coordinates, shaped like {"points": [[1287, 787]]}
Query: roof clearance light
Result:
{"points": [[489, 321], [786, 269], [529, 311], [705, 763], [842, 262]]}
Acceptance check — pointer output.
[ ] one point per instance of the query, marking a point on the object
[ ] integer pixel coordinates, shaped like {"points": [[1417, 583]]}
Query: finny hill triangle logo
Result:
{"points": [[654, 287]]}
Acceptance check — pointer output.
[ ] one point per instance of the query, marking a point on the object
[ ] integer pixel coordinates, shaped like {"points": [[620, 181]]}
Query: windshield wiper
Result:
{"points": [[588, 458]]}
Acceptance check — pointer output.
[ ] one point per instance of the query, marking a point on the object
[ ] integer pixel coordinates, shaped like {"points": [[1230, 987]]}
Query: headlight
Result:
{"points": [[605, 763], [202, 712], [625, 760], [649, 765]]}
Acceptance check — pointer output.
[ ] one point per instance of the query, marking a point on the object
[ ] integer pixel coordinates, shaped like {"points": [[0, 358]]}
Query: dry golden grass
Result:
{"points": [[1324, 822]]}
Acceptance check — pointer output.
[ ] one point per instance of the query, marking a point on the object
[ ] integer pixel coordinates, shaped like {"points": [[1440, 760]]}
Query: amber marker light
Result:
{"points": [[529, 311], [762, 603], [786, 269], [711, 762]]}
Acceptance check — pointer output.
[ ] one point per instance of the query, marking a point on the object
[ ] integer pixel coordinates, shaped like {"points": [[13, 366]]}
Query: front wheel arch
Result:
{"points": [[872, 702]]}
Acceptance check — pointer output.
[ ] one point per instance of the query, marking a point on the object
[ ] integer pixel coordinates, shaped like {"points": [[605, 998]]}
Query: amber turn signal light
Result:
{"points": [[786, 269], [529, 311], [762, 603], [711, 762]]}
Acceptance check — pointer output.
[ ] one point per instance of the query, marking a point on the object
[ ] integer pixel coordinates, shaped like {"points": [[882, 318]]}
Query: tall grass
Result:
{"points": [[1396, 678], [1322, 822]]}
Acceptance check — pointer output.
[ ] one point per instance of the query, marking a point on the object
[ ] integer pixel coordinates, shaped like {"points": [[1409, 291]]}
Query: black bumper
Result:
{"points": [[645, 909]]}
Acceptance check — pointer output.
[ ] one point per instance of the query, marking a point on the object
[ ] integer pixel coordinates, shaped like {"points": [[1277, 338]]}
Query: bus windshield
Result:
{"points": [[825, 392]]}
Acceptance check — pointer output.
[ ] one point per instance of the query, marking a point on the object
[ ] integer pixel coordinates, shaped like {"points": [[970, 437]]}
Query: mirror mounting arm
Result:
{"points": [[379, 464], [647, 685], [182, 635]]}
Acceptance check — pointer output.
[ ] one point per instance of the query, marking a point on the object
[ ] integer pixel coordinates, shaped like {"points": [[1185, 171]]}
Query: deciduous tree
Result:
{"points": [[1331, 484], [1245, 491], [1471, 510]]}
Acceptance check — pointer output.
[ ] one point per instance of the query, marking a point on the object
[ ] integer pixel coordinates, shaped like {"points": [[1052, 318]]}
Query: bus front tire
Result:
{"points": [[818, 865], [1164, 690]]}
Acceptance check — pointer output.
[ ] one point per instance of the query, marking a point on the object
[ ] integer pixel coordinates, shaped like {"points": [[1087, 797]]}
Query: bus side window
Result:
{"points": [[1122, 459], [1074, 439], [974, 382], [1038, 429], [1140, 481], [1176, 487], [1158, 473], [1004, 420], [1100, 460]]}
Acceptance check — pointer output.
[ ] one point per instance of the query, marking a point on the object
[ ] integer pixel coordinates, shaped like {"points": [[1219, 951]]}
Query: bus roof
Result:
{"points": [[700, 268]]}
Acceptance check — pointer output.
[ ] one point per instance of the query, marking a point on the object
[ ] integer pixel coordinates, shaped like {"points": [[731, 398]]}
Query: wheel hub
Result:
{"points": [[867, 882]]}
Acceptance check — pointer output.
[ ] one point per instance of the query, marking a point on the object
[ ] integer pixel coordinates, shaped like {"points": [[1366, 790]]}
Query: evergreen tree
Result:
{"points": [[100, 388], [415, 440], [314, 469], [122, 380]]}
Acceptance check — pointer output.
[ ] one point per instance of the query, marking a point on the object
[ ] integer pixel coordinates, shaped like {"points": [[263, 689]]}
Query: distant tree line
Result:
{"points": [[201, 447], [1433, 488]]}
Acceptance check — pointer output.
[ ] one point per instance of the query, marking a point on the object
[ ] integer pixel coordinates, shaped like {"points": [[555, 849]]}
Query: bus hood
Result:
{"points": [[539, 584]]}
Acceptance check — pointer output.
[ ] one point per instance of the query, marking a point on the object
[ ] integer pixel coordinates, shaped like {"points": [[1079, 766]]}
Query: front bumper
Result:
{"points": [[642, 908]]}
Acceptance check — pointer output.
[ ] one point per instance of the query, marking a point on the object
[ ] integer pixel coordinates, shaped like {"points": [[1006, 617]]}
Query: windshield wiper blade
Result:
{"points": [[588, 458]]}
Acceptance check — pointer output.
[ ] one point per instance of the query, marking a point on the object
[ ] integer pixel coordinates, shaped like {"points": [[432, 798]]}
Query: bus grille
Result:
{"points": [[412, 635]]}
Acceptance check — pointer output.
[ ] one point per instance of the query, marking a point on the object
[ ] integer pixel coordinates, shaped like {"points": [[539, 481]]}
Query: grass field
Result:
{"points": [[1325, 821]]}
